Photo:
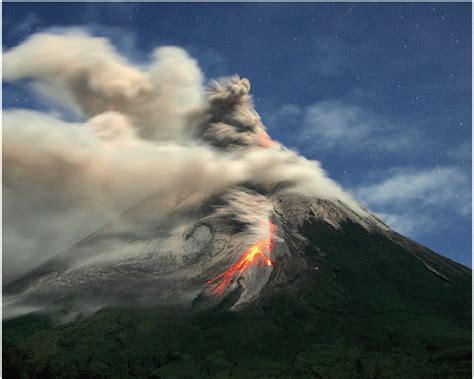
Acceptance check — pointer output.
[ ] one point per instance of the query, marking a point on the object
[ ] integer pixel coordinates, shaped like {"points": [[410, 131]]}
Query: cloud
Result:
{"points": [[425, 195], [435, 186], [461, 153], [408, 224], [144, 131], [338, 125]]}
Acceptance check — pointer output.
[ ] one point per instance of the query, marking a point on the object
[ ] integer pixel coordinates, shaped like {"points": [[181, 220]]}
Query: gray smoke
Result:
{"points": [[150, 130]]}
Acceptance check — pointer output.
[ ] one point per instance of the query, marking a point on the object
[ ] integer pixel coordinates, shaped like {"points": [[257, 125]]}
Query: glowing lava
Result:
{"points": [[256, 255], [265, 140]]}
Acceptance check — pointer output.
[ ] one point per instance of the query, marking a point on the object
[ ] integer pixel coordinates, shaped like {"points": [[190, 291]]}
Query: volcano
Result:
{"points": [[256, 280]]}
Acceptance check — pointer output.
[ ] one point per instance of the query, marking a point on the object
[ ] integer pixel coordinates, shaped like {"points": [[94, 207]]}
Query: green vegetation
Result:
{"points": [[370, 310]]}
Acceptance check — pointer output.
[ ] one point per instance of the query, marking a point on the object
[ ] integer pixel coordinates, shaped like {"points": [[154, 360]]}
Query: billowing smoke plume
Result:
{"points": [[150, 130], [87, 73]]}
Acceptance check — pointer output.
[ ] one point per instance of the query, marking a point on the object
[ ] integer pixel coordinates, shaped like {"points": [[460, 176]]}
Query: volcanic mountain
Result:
{"points": [[257, 280]]}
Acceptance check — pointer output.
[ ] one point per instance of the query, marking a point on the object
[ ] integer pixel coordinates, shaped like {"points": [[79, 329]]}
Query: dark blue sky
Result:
{"points": [[380, 93]]}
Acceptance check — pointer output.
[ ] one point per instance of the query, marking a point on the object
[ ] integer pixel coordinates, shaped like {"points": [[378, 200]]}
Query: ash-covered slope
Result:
{"points": [[345, 297], [140, 261]]}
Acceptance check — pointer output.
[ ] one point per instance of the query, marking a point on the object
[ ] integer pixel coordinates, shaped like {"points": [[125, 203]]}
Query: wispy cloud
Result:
{"points": [[408, 224], [460, 153], [412, 201], [334, 124], [432, 187]]}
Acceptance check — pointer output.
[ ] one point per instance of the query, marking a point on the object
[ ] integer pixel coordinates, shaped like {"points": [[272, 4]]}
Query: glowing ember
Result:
{"points": [[265, 140], [256, 255]]}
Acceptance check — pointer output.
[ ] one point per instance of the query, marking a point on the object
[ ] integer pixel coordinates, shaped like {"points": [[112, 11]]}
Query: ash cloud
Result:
{"points": [[155, 129], [86, 72]]}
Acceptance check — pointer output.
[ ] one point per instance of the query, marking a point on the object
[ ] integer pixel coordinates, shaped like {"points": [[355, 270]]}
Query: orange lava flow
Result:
{"points": [[256, 255]]}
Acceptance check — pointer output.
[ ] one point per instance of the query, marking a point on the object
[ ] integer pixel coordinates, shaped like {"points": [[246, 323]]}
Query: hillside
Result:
{"points": [[352, 303]]}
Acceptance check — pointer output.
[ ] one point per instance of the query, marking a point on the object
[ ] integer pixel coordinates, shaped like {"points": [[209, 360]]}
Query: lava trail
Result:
{"points": [[256, 255]]}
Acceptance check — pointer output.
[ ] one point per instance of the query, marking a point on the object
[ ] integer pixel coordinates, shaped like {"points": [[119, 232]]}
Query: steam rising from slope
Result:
{"points": [[150, 130]]}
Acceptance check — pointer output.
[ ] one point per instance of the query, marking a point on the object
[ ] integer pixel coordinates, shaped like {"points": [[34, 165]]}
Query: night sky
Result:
{"points": [[379, 93]]}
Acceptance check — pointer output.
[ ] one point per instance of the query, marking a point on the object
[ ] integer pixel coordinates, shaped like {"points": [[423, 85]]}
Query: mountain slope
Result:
{"points": [[348, 299]]}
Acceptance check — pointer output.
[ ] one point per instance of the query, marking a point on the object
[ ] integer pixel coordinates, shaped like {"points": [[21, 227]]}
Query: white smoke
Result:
{"points": [[153, 130]]}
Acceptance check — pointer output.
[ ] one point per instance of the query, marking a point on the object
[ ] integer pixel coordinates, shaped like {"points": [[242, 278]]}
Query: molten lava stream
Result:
{"points": [[256, 255]]}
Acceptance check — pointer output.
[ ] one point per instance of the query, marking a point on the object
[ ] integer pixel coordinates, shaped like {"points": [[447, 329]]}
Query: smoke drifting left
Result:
{"points": [[156, 130]]}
